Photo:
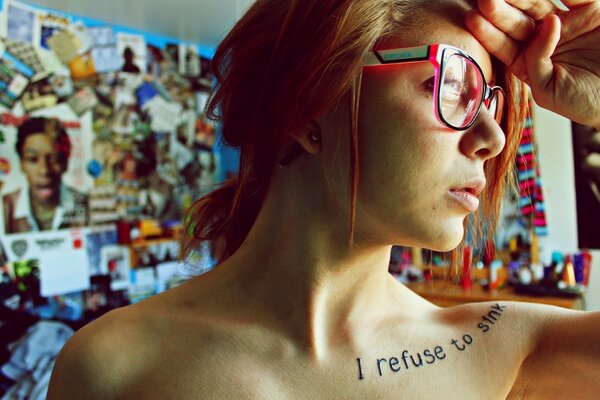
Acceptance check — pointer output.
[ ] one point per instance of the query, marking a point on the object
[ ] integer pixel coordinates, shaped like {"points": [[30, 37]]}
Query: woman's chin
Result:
{"points": [[447, 241]]}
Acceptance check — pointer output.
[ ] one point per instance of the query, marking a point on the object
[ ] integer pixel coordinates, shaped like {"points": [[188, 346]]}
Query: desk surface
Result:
{"points": [[446, 294]]}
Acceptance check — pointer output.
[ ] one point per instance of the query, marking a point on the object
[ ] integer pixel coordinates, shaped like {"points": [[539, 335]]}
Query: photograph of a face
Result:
{"points": [[46, 188], [586, 148]]}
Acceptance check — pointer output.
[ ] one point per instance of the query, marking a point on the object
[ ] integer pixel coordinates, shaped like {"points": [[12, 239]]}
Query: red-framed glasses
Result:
{"points": [[459, 89]]}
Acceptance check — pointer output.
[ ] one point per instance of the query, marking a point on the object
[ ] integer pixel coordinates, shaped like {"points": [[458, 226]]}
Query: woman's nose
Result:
{"points": [[485, 139]]}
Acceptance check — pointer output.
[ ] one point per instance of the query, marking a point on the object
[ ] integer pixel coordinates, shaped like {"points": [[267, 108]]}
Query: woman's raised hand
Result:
{"points": [[555, 51]]}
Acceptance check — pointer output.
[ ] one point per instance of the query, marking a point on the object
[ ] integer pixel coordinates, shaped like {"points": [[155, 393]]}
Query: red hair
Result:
{"points": [[285, 63]]}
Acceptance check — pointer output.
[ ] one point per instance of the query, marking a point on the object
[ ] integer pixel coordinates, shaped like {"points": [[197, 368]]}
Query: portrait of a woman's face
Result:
{"points": [[586, 148], [43, 163]]}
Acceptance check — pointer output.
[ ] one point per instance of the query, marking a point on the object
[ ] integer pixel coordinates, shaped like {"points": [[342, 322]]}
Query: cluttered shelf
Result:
{"points": [[490, 275], [447, 294]]}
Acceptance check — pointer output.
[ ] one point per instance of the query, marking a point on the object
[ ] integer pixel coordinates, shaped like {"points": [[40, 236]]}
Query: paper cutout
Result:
{"points": [[63, 271]]}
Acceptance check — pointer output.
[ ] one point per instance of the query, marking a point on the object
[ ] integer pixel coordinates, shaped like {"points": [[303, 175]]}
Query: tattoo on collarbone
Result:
{"points": [[407, 360]]}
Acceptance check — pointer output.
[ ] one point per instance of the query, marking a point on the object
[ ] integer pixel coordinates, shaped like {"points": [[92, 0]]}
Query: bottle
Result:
{"points": [[568, 275]]}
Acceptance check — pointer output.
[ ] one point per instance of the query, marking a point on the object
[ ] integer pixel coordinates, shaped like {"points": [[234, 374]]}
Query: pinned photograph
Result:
{"points": [[189, 61], [115, 261], [28, 55], [39, 95], [51, 23], [21, 23], [155, 61], [104, 49], [82, 67], [132, 49], [171, 55], [14, 78], [83, 100], [96, 239], [65, 44], [61, 83]]}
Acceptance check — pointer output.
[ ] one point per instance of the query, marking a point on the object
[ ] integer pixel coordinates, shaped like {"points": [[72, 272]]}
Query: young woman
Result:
{"points": [[361, 124]]}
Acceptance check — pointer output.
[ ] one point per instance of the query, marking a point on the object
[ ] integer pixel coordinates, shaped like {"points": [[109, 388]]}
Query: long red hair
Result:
{"points": [[285, 63]]}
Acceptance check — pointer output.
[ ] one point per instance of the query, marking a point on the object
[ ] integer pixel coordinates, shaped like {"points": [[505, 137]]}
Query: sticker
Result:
{"points": [[94, 168], [19, 247], [4, 166]]}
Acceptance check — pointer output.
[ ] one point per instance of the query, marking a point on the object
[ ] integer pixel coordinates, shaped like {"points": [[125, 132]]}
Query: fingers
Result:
{"points": [[580, 21], [535, 9], [537, 55], [507, 18], [571, 4], [502, 46]]}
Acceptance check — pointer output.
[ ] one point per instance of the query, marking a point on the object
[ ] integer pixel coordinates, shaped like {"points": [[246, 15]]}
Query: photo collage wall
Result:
{"points": [[99, 126]]}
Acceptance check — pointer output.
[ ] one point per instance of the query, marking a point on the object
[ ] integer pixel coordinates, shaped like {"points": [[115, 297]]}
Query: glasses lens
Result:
{"points": [[461, 91]]}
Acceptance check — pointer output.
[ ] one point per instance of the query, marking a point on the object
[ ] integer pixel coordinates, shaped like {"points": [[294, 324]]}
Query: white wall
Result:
{"points": [[555, 152]]}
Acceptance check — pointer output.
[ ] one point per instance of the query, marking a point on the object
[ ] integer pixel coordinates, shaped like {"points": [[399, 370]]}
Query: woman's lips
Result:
{"points": [[465, 198]]}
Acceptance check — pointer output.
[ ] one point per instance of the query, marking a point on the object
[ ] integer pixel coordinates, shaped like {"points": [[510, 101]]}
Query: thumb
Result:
{"points": [[537, 55]]}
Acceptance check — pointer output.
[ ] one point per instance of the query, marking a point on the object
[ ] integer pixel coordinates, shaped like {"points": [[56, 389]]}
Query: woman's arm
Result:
{"points": [[96, 361], [81, 372], [564, 362], [556, 52]]}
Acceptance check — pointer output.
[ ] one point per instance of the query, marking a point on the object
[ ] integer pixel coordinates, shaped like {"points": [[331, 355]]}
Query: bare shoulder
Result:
{"points": [[516, 324], [535, 343], [564, 343], [100, 358]]}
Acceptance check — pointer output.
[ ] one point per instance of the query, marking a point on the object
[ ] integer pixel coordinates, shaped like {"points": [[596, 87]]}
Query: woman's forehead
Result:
{"points": [[444, 28]]}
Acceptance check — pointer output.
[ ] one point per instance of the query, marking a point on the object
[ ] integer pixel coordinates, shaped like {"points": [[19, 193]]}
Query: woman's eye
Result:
{"points": [[453, 85], [429, 84]]}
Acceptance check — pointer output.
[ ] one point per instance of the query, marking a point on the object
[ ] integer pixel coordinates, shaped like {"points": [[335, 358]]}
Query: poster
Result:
{"points": [[98, 127], [586, 147], [47, 186]]}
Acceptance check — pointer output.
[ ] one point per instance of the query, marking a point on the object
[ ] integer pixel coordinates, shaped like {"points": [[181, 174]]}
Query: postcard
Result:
{"points": [[21, 23], [59, 276]]}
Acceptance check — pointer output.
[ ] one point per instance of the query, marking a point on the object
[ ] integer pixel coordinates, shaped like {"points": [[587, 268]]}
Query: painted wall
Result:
{"points": [[555, 151]]}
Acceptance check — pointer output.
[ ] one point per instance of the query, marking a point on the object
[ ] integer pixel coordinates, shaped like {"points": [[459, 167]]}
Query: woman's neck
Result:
{"points": [[296, 270]]}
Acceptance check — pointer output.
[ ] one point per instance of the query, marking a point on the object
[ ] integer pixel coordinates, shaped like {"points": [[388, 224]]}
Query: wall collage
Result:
{"points": [[103, 144]]}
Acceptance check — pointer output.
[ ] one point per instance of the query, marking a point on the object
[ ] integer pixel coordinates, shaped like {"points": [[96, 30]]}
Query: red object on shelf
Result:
{"points": [[465, 280], [587, 263]]}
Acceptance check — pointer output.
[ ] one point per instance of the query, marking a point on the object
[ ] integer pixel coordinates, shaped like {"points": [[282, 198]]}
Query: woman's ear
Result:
{"points": [[309, 137]]}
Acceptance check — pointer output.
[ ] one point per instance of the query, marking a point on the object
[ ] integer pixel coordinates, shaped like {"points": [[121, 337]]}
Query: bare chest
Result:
{"points": [[439, 370]]}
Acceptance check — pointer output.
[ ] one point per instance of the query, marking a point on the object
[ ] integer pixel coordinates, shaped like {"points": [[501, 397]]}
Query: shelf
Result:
{"points": [[447, 294]]}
